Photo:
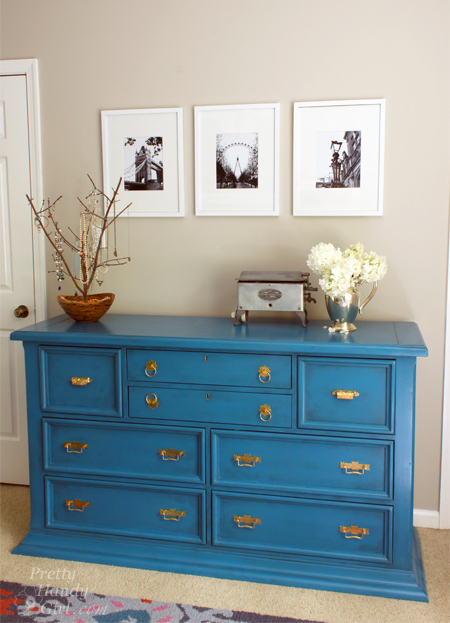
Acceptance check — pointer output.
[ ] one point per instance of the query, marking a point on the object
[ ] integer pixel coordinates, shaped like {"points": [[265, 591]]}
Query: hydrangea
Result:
{"points": [[340, 270]]}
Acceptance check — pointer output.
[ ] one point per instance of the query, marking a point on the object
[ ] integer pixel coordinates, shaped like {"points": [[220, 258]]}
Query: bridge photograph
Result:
{"points": [[143, 163], [237, 160]]}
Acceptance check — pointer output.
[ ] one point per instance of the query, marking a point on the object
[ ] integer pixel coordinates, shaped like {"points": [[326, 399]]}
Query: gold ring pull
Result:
{"points": [[265, 413], [76, 447], [345, 394], [77, 505], [264, 373], [81, 381], [355, 468], [245, 460], [172, 514], [353, 532], [246, 521], [152, 402], [171, 454], [150, 367]]}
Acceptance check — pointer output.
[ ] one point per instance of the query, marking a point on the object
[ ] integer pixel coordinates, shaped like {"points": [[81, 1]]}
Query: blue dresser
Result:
{"points": [[265, 452]]}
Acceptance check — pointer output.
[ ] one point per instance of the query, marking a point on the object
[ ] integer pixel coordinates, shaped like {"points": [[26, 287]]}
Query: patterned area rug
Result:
{"points": [[20, 603]]}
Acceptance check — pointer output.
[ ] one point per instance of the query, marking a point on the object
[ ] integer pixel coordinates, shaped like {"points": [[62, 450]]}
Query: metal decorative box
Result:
{"points": [[273, 291]]}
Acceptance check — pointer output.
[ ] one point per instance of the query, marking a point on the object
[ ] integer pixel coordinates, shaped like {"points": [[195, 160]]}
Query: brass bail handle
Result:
{"points": [[246, 521], [344, 394], [80, 381], [353, 532], [75, 447], [77, 505], [370, 297]]}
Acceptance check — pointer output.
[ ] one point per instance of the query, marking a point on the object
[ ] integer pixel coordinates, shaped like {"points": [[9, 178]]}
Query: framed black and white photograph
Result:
{"points": [[339, 158], [145, 148], [237, 160]]}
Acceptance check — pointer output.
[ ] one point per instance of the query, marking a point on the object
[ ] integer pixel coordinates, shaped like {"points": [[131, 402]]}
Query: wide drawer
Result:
{"points": [[246, 408], [347, 531], [206, 368], [127, 510], [85, 381], [294, 463], [131, 450], [346, 394]]}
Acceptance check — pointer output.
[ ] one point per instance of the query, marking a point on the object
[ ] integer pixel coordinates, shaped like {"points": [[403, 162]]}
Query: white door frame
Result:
{"points": [[444, 503], [28, 67]]}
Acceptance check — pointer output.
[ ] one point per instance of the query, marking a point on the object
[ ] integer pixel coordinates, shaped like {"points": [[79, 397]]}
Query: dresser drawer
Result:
{"points": [[85, 381], [326, 387], [294, 463], [116, 449], [205, 368], [310, 527], [126, 509], [249, 409]]}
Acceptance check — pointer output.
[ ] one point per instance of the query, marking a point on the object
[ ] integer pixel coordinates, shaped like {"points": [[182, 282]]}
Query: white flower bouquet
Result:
{"points": [[341, 270]]}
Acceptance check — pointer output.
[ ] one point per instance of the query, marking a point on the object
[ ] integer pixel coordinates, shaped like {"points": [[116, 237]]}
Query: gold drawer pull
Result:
{"points": [[170, 454], [75, 446], [264, 373], [150, 367], [77, 505], [152, 402], [172, 514], [355, 468], [245, 460], [344, 394], [81, 381], [353, 532], [265, 413], [246, 521]]}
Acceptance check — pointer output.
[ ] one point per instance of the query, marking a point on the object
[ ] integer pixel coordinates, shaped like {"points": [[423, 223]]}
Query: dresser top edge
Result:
{"points": [[373, 338]]}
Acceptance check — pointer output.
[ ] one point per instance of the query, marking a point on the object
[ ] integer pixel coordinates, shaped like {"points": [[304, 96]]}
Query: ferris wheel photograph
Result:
{"points": [[237, 160]]}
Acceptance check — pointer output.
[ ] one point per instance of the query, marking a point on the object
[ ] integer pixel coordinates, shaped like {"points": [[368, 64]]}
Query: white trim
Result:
{"points": [[425, 519], [444, 502], [29, 68]]}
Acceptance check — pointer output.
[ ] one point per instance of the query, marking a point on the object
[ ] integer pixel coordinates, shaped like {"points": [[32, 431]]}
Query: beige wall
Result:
{"points": [[112, 54]]}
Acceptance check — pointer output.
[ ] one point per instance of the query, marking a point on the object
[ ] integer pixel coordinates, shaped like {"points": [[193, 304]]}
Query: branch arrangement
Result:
{"points": [[88, 246]]}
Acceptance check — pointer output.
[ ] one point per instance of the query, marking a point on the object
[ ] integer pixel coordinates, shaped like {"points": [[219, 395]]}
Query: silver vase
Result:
{"points": [[343, 310]]}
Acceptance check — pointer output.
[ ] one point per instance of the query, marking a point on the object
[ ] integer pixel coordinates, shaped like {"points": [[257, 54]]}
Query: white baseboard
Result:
{"points": [[425, 519]]}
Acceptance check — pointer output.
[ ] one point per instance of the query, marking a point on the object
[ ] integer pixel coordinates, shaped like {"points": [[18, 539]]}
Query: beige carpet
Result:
{"points": [[209, 592]]}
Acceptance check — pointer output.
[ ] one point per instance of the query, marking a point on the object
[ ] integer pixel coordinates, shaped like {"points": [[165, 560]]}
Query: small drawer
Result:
{"points": [[249, 409], [84, 381], [167, 514], [205, 368], [346, 394], [294, 463], [131, 450], [360, 532]]}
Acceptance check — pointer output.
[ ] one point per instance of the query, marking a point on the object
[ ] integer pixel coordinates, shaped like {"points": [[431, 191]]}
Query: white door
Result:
{"points": [[17, 255]]}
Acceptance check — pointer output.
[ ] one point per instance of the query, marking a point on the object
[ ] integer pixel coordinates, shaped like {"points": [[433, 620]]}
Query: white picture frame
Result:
{"points": [[244, 138], [151, 166], [354, 185]]}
